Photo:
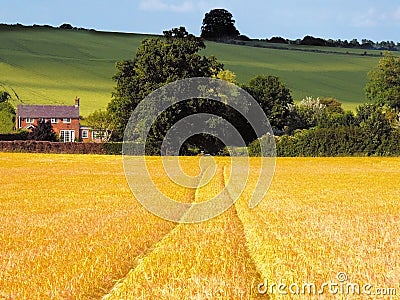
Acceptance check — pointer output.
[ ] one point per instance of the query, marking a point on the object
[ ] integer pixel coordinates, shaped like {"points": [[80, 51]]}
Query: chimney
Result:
{"points": [[77, 101]]}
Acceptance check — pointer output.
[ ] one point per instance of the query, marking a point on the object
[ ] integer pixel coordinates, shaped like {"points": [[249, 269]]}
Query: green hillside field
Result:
{"points": [[52, 66]]}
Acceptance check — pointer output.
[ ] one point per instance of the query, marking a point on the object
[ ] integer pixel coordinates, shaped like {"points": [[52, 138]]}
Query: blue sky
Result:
{"points": [[344, 19]]}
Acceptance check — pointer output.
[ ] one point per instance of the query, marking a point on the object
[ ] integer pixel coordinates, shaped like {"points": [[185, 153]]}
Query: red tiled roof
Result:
{"points": [[48, 111]]}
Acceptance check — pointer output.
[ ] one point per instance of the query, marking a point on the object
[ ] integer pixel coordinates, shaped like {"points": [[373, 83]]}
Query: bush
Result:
{"points": [[113, 148], [19, 136], [7, 114], [269, 145], [243, 37], [340, 141], [56, 147], [43, 132]]}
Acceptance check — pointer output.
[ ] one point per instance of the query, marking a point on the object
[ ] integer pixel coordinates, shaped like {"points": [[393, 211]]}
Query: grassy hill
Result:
{"points": [[305, 73], [51, 66]]}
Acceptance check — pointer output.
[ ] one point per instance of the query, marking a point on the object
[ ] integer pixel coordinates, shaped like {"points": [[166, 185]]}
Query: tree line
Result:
{"points": [[372, 130], [219, 25], [365, 44]]}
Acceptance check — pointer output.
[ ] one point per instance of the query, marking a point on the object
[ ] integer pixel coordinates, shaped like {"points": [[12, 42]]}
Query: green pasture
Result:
{"points": [[50, 66], [305, 73]]}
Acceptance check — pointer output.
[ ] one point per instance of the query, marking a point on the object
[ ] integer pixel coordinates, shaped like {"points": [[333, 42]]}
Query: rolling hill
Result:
{"points": [[52, 66]]}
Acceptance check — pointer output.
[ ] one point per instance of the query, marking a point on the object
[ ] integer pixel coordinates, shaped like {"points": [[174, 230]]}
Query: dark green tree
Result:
{"points": [[308, 113], [372, 119], [318, 112], [274, 98], [7, 113], [66, 26], [4, 96], [383, 86], [126, 96], [158, 61], [43, 132], [332, 105], [7, 117], [218, 24]]}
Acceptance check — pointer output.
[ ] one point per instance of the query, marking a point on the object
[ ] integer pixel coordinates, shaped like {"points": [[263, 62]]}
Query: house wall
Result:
{"points": [[74, 125], [88, 139], [89, 136], [57, 127]]}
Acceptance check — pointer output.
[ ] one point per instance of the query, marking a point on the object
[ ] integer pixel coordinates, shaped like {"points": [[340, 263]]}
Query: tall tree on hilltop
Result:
{"points": [[218, 24]]}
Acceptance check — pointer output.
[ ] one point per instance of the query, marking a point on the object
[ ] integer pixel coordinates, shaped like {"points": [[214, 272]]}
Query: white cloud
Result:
{"points": [[160, 5]]}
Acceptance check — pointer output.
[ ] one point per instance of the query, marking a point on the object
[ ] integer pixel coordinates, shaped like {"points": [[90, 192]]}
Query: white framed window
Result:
{"points": [[66, 120], [98, 135], [54, 120], [29, 120], [67, 136], [85, 134]]}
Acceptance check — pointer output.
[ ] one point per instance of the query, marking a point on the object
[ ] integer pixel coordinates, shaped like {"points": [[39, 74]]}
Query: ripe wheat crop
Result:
{"points": [[70, 228], [327, 216], [206, 260]]}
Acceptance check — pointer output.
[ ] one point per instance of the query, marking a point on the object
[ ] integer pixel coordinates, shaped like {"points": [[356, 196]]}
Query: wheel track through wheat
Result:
{"points": [[207, 260]]}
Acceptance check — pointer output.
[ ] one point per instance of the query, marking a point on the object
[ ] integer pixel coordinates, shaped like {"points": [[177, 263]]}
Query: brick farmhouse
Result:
{"points": [[64, 119]]}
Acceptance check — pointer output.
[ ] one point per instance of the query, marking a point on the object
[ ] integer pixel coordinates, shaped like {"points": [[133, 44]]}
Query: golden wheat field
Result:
{"points": [[70, 228]]}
